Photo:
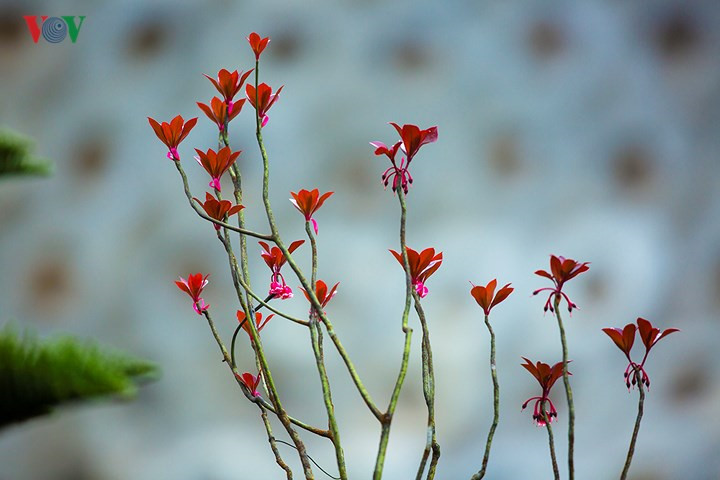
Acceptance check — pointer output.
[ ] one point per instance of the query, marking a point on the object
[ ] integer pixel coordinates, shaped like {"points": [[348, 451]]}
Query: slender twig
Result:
{"points": [[202, 214], [496, 403], [428, 374], [273, 445], [311, 459], [387, 418], [551, 441], [568, 393], [641, 407], [322, 372]]}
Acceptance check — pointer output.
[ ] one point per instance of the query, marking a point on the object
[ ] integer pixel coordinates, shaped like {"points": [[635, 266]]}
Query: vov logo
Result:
{"points": [[54, 29]]}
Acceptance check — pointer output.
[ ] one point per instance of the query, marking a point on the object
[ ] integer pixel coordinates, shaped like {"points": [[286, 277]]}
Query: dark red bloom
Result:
{"points": [[275, 259], [485, 296], [217, 209], [193, 286], [322, 293], [257, 44], [308, 202], [259, 321], [624, 340], [218, 111], [229, 84], [251, 382], [422, 265], [412, 138], [265, 99], [546, 377], [216, 164], [171, 134], [563, 269]]}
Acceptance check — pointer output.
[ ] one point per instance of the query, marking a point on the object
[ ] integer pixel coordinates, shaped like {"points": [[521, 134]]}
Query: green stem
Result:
{"points": [[428, 375], [386, 420], [496, 403], [641, 407], [322, 372], [273, 445], [568, 393], [551, 441]]}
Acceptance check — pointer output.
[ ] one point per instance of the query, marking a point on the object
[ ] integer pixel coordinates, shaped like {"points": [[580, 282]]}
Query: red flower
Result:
{"points": [[218, 112], [624, 340], [308, 202], [563, 269], [546, 377], [275, 259], [216, 164], [193, 286], [322, 293], [485, 296], [257, 44], [229, 84], [171, 134], [251, 382], [422, 265], [412, 138], [217, 209], [265, 99], [259, 322]]}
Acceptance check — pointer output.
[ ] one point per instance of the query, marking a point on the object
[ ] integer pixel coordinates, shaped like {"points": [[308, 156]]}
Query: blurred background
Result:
{"points": [[583, 129]]}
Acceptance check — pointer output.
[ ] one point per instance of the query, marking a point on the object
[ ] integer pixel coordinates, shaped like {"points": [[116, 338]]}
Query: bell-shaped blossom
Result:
{"points": [[308, 202], [229, 85], [171, 134], [624, 339], [275, 259], [262, 99], [217, 209], [486, 297], [259, 321], [219, 113], [216, 164], [546, 377], [193, 286], [422, 265], [562, 269], [251, 382], [411, 139], [257, 44]]}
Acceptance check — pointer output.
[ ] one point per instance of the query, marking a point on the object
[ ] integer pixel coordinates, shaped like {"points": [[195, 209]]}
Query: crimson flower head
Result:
{"points": [[265, 99], [251, 382], [624, 339], [275, 259], [563, 269], [322, 293], [259, 322], [193, 286], [546, 377], [308, 202], [171, 134], [218, 111], [217, 209], [486, 297], [422, 265], [411, 139], [229, 84], [216, 164], [257, 44]]}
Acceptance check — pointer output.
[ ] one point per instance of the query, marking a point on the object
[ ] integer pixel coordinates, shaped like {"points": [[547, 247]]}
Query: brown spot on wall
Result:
{"points": [[410, 55], [49, 284], [147, 39], [504, 157], [12, 26], [632, 167], [676, 36], [285, 46], [546, 39], [91, 157], [690, 381]]}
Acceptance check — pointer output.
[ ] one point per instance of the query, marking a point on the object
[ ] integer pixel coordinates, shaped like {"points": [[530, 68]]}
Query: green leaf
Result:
{"points": [[16, 158]]}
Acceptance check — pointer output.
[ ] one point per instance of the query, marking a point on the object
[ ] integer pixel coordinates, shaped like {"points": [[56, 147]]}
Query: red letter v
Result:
{"points": [[33, 26]]}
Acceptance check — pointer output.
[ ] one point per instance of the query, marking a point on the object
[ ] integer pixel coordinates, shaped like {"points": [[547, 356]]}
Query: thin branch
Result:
{"points": [[551, 441], [568, 393], [273, 445], [641, 408]]}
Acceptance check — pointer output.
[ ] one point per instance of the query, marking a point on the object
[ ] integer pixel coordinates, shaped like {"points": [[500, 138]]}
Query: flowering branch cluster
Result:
{"points": [[258, 384]]}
